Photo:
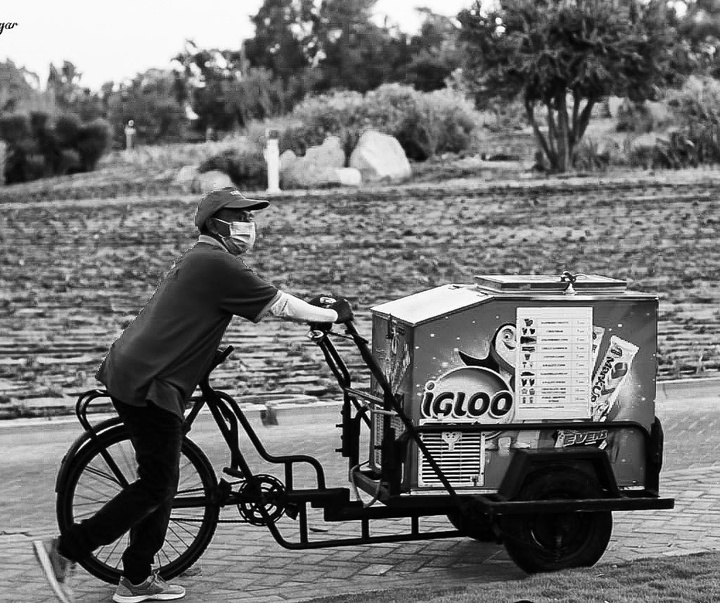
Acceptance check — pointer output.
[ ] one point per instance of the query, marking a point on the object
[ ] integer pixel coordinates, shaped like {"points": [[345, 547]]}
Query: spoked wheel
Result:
{"points": [[545, 542], [92, 480]]}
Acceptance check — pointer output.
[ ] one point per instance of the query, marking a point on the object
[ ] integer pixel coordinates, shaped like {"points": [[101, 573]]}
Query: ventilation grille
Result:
{"points": [[458, 454], [378, 421]]}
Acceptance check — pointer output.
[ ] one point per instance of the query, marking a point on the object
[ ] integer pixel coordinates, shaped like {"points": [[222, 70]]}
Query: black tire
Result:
{"points": [[90, 483], [546, 542], [473, 525]]}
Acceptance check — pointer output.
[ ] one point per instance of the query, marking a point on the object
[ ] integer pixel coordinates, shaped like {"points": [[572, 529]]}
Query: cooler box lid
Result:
{"points": [[514, 283], [432, 303]]}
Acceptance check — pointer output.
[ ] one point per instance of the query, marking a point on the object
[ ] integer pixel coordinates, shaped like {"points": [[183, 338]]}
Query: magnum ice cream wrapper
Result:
{"points": [[598, 333], [610, 376]]}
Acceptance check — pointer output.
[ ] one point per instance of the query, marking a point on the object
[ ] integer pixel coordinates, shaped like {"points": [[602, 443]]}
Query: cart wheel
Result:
{"points": [[545, 542], [473, 525]]}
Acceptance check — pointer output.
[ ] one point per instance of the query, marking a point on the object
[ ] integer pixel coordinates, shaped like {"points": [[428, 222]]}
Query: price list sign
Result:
{"points": [[553, 363]]}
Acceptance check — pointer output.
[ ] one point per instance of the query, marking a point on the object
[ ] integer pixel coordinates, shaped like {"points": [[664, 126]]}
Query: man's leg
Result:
{"points": [[158, 457], [156, 435]]}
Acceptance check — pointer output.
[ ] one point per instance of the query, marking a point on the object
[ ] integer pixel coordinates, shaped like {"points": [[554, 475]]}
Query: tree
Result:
{"points": [[283, 37], [434, 52], [63, 84], [150, 100], [207, 79], [699, 27], [15, 89], [567, 55], [353, 52]]}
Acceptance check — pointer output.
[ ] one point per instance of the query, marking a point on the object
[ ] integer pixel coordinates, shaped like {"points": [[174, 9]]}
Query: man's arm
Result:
{"points": [[289, 307]]}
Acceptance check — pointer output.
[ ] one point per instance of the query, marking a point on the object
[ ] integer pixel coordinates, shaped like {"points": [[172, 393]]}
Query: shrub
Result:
{"points": [[337, 114], [590, 157], [695, 139], [14, 128], [426, 124], [458, 120], [38, 148], [93, 140], [697, 106], [67, 129], [245, 166], [642, 118]]}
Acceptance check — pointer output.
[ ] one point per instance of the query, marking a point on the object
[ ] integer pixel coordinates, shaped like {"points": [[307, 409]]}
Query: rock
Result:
{"points": [[317, 168], [207, 181], [613, 105], [379, 156], [349, 176], [329, 154], [301, 175], [186, 174], [287, 159]]}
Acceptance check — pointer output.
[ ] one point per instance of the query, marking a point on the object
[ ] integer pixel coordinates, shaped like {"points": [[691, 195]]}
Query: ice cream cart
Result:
{"points": [[533, 399]]}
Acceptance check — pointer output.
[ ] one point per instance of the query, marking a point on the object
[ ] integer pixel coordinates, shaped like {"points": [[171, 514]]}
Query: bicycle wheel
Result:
{"points": [[91, 482]]}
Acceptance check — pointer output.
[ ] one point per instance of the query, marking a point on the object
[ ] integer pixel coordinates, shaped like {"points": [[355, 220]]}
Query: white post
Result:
{"points": [[129, 135], [272, 158]]}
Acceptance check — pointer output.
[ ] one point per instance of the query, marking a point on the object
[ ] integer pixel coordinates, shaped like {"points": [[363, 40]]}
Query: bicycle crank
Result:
{"points": [[262, 500]]}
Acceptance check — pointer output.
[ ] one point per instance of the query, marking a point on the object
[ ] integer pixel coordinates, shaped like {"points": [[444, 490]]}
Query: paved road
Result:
{"points": [[244, 564]]}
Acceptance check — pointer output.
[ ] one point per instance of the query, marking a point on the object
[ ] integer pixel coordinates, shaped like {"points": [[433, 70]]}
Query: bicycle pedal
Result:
{"points": [[292, 510]]}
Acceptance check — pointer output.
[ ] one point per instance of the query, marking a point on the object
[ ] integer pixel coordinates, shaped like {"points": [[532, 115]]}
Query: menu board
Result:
{"points": [[554, 356]]}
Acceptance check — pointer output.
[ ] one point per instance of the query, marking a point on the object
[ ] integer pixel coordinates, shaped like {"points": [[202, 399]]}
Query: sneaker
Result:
{"points": [[153, 588], [57, 568]]}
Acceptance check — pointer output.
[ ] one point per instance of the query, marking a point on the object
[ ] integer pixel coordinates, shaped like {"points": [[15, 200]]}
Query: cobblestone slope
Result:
{"points": [[74, 273]]}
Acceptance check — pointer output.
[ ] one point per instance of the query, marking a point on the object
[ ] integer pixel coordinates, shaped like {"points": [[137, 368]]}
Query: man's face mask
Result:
{"points": [[239, 237]]}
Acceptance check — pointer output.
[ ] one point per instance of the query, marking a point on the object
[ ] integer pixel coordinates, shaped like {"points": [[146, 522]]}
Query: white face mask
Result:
{"points": [[241, 238]]}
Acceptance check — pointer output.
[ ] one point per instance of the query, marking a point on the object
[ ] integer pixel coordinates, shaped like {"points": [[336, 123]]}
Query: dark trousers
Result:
{"points": [[144, 507]]}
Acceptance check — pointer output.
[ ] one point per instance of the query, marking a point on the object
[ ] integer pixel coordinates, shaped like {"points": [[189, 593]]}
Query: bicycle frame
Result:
{"points": [[336, 502]]}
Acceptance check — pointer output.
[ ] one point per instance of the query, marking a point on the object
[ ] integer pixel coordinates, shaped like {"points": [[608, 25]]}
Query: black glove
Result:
{"points": [[339, 304]]}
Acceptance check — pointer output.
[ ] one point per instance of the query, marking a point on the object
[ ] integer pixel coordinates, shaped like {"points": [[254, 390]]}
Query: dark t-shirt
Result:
{"points": [[162, 355]]}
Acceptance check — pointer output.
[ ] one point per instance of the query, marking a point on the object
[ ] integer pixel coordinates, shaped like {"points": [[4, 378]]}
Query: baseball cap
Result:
{"points": [[229, 197]]}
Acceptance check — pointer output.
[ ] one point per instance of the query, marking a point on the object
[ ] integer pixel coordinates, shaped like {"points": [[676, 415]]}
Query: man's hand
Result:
{"points": [[339, 304]]}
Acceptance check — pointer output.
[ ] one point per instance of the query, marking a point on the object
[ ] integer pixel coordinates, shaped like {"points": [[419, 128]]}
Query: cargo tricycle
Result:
{"points": [[520, 407]]}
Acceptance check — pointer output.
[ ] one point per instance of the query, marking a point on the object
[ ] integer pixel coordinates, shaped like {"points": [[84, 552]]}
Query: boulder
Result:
{"points": [[208, 181], [186, 175], [317, 168], [301, 175], [349, 176], [379, 156], [329, 154], [287, 159], [614, 103]]}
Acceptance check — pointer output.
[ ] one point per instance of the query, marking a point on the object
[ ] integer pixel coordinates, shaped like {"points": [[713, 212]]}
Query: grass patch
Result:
{"points": [[692, 578]]}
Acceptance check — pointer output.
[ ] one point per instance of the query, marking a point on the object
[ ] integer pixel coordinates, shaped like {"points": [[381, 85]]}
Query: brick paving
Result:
{"points": [[244, 564]]}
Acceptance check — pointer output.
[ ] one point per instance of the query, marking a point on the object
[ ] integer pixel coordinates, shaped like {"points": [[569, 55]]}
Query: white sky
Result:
{"points": [[114, 40]]}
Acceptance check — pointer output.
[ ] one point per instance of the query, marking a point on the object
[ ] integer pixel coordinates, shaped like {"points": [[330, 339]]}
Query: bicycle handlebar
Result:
{"points": [[221, 356]]}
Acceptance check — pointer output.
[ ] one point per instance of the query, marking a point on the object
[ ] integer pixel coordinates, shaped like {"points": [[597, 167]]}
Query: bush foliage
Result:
{"points": [[426, 124], [245, 166], [37, 147], [694, 136]]}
